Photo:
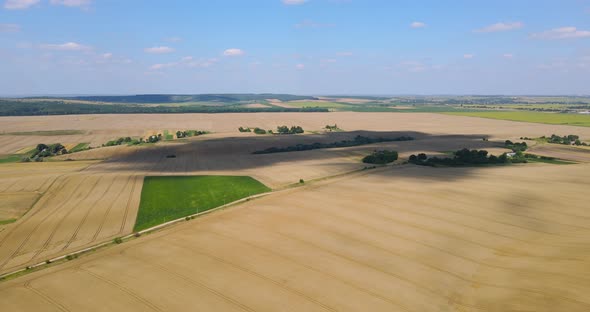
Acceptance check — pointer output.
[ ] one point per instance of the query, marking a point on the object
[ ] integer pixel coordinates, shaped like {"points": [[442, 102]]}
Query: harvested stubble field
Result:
{"points": [[407, 239]]}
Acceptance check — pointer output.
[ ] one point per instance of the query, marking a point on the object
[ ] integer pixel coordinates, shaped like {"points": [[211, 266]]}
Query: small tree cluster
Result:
{"points": [[44, 150], [381, 157], [189, 133], [287, 130], [242, 129], [515, 146], [566, 140], [154, 138], [332, 128]]}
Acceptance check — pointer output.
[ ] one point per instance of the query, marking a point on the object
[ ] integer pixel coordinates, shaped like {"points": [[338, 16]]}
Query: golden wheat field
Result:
{"points": [[398, 238]]}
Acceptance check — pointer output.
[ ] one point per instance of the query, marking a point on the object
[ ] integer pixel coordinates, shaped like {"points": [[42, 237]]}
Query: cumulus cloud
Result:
{"points": [[162, 66], [468, 56], [68, 46], [9, 28], [293, 2], [233, 52], [159, 50], [500, 27], [562, 33], [187, 61], [19, 4], [418, 25], [71, 3]]}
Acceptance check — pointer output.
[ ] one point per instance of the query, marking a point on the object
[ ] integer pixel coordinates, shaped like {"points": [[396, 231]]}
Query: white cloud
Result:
{"points": [[293, 2], [163, 66], [107, 55], [468, 56], [562, 33], [418, 25], [508, 55], [233, 52], [9, 28], [187, 61], [159, 50], [19, 4], [500, 27], [68, 46], [300, 66], [71, 3]]}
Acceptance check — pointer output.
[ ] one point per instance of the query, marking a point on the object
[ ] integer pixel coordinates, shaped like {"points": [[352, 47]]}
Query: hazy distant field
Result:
{"points": [[547, 118]]}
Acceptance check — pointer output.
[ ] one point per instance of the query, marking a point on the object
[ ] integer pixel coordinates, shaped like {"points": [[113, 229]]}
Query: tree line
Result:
{"points": [[357, 141], [465, 157]]}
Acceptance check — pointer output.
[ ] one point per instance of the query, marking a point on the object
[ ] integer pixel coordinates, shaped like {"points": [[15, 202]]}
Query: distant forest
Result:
{"points": [[178, 98], [136, 104]]}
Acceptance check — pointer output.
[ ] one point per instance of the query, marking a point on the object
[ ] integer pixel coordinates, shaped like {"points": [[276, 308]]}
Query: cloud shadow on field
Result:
{"points": [[233, 154]]}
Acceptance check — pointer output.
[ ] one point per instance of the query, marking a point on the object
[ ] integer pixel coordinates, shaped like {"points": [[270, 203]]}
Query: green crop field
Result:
{"points": [[168, 198], [546, 118], [335, 105]]}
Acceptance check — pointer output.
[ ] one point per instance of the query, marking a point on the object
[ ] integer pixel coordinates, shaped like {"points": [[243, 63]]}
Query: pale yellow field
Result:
{"points": [[401, 239]]}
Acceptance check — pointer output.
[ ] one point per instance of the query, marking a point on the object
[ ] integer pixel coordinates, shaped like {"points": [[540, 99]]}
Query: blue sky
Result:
{"points": [[294, 46]]}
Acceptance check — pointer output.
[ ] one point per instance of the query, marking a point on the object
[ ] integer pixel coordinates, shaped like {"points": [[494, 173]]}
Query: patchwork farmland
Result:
{"points": [[334, 235]]}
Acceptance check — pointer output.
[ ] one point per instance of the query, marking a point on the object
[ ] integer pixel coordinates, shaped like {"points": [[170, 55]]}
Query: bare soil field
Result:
{"points": [[579, 154], [399, 239]]}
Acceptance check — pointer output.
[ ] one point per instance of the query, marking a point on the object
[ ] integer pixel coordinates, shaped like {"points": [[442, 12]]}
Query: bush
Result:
{"points": [[47, 261], [137, 235], [301, 181], [118, 240], [259, 131]]}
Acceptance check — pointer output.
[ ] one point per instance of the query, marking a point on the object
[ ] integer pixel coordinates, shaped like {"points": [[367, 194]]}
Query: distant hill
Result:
{"points": [[180, 98]]}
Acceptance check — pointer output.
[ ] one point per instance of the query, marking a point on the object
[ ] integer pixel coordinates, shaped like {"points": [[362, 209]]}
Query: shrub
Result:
{"points": [[301, 181], [259, 131], [137, 234], [48, 261], [118, 240]]}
